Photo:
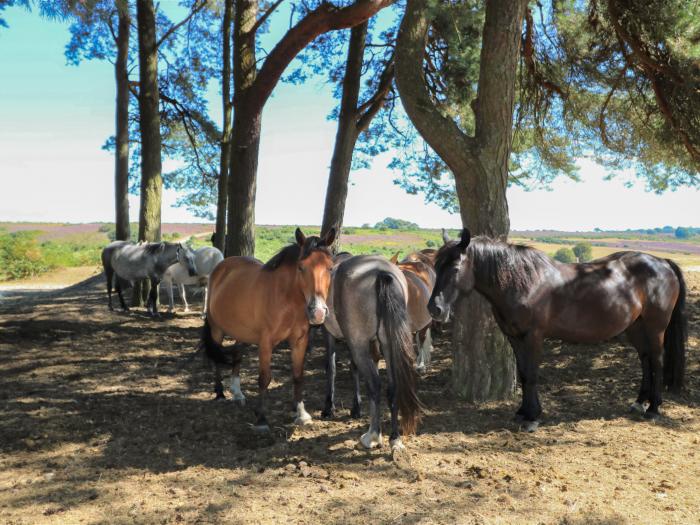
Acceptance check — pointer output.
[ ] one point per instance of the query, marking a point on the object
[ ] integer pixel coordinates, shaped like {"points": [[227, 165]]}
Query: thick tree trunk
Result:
{"points": [[225, 165], [121, 168], [346, 137], [151, 179], [483, 367], [245, 143]]}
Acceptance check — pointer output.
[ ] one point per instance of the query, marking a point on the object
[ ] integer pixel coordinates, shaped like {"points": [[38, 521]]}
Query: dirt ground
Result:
{"points": [[106, 418]]}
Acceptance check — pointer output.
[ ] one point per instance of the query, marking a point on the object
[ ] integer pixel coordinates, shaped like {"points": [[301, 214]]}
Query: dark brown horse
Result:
{"points": [[534, 297], [265, 304]]}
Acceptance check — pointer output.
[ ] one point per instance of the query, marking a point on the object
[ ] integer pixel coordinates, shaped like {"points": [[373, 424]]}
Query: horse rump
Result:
{"points": [[676, 338], [398, 345]]}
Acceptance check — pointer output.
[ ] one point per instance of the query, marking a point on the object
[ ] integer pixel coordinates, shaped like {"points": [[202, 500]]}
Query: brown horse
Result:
{"points": [[420, 278], [534, 297], [265, 304]]}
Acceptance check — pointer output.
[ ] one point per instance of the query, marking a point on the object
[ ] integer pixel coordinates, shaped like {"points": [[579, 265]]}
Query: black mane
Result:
{"points": [[293, 253], [498, 264]]}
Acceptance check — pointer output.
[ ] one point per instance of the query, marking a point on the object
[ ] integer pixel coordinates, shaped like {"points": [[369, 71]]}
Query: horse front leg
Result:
{"points": [[298, 354], [329, 406], [153, 298], [109, 276], [356, 410], [264, 378], [183, 296]]}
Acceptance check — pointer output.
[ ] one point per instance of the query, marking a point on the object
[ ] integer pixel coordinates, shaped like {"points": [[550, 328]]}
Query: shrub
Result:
{"points": [[583, 251], [430, 243], [565, 255], [20, 256], [396, 224]]}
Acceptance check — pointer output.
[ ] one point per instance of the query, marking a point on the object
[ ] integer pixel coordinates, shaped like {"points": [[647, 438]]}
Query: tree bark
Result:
{"points": [[151, 179], [483, 366], [121, 168], [252, 90], [225, 165], [346, 137]]}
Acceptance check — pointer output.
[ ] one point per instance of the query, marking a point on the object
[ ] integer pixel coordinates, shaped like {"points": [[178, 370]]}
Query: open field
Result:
{"points": [[53, 247], [105, 418]]}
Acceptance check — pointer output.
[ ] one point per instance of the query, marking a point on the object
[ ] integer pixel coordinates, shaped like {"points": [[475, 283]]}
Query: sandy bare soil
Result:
{"points": [[106, 418]]}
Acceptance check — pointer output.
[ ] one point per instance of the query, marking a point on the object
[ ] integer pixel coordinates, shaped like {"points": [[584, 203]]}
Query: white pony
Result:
{"points": [[205, 259]]}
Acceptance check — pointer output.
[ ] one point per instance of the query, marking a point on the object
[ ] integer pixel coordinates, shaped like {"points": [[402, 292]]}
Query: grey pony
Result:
{"points": [[367, 308], [130, 262]]}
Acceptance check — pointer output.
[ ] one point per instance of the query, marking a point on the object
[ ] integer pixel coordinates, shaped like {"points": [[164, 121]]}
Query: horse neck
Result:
{"points": [[287, 283], [496, 292]]}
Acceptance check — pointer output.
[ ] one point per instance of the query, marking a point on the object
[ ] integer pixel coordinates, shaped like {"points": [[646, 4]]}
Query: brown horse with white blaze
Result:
{"points": [[265, 304]]}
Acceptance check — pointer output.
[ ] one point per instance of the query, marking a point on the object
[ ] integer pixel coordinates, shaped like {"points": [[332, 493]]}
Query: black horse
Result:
{"points": [[534, 297]]}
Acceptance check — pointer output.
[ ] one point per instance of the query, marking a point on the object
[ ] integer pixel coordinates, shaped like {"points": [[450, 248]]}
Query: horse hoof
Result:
{"points": [[531, 426], [328, 413], [303, 420], [220, 397], [371, 440], [652, 416], [637, 408], [518, 418], [239, 400], [397, 445]]}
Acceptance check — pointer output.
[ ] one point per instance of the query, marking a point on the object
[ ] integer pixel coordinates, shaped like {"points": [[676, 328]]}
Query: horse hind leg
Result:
{"points": [[183, 296], [118, 287], [110, 275], [356, 410], [236, 391], [370, 373], [635, 334], [656, 352]]}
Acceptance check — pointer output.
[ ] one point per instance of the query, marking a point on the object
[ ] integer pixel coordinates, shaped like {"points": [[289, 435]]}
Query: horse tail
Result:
{"points": [[398, 345], [676, 337], [213, 350]]}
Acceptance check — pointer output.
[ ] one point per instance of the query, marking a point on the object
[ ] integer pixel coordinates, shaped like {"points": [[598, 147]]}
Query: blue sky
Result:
{"points": [[54, 119]]}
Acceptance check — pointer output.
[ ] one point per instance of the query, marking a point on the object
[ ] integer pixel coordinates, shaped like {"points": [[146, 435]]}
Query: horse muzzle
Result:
{"points": [[438, 312], [317, 311]]}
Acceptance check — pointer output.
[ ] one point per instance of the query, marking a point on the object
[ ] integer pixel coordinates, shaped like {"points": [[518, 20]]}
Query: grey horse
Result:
{"points": [[130, 262], [367, 308], [205, 259]]}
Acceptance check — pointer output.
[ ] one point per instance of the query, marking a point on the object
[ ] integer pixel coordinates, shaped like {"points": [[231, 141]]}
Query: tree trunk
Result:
{"points": [[225, 165], [346, 137], [483, 366], [245, 137], [151, 179], [252, 89], [245, 143], [121, 168]]}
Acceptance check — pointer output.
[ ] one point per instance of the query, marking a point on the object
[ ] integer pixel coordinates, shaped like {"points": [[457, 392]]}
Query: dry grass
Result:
{"points": [[104, 418]]}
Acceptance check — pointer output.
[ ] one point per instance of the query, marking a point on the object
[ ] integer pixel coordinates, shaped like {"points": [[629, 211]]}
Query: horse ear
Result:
{"points": [[395, 258], [330, 237], [445, 236], [464, 239], [300, 237]]}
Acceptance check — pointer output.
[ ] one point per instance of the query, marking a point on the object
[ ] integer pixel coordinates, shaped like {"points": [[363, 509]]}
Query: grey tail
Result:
{"points": [[398, 348]]}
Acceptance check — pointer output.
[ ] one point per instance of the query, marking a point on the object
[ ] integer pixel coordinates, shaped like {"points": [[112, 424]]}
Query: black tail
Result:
{"points": [[675, 338], [214, 351], [398, 347]]}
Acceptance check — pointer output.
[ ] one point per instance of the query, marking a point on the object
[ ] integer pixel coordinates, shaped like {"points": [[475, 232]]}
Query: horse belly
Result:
{"points": [[591, 325]]}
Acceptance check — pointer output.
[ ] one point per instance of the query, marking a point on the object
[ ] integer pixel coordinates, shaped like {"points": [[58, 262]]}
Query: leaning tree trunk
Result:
{"points": [[121, 168], [346, 137], [151, 179], [252, 88], [222, 198], [483, 366]]}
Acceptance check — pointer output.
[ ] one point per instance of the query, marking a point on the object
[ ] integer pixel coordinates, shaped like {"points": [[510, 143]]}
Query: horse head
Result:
{"points": [[451, 277], [313, 273], [185, 256]]}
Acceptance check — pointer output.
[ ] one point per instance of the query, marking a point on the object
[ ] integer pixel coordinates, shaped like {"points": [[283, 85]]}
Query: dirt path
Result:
{"points": [[105, 418]]}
